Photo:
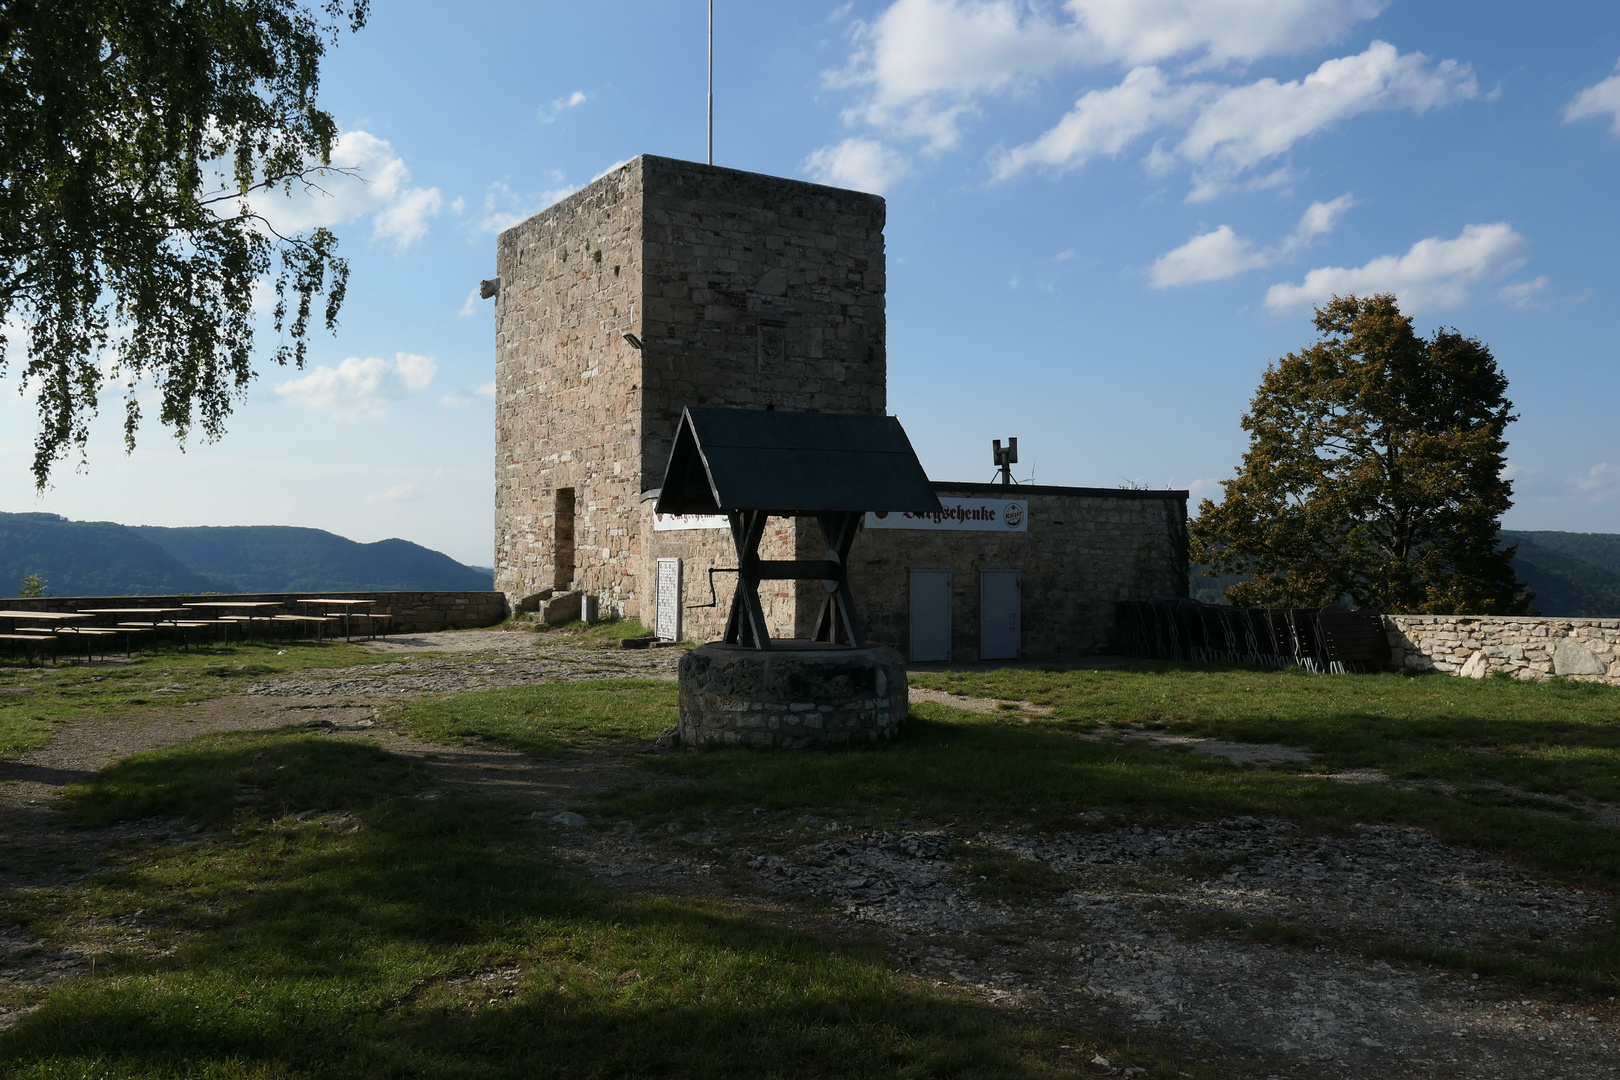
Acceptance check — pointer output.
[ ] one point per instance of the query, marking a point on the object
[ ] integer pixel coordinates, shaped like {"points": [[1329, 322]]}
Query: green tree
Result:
{"points": [[131, 134], [32, 585], [1374, 472]]}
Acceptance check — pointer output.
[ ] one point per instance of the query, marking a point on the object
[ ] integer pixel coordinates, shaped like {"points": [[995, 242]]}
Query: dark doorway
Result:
{"points": [[563, 541]]}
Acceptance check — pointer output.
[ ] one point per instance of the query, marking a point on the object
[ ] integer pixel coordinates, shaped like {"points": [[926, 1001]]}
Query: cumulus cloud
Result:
{"points": [[922, 63], [457, 398], [923, 68], [862, 164], [1601, 483], [373, 180], [1210, 257], [1222, 253], [1601, 99], [1435, 273], [1230, 130], [1104, 122], [504, 208], [1247, 125], [360, 389], [1216, 32], [548, 114]]}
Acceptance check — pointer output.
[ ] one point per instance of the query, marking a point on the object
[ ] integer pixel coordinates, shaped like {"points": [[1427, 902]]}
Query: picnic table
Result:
{"points": [[36, 637], [153, 619], [345, 609], [247, 621]]}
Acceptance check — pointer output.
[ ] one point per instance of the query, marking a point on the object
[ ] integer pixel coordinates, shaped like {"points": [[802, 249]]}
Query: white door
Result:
{"points": [[1000, 614], [931, 616]]}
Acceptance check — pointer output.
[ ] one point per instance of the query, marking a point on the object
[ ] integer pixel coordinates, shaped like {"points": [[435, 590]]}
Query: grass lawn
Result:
{"points": [[35, 700], [391, 936], [385, 935]]}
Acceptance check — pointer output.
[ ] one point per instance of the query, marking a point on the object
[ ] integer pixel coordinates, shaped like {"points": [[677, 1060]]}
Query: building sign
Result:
{"points": [[961, 515], [667, 620], [673, 522]]}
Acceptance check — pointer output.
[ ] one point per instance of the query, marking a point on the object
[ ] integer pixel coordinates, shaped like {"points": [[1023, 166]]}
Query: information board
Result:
{"points": [[667, 622]]}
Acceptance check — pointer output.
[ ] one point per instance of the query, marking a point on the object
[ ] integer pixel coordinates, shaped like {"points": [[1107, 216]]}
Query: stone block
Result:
{"points": [[1571, 658]]}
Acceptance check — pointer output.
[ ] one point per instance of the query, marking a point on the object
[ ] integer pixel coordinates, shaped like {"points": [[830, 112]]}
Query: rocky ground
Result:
{"points": [[1244, 941]]}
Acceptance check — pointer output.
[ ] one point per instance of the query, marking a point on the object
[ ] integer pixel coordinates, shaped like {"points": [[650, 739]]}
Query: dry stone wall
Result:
{"points": [[1524, 647], [410, 612]]}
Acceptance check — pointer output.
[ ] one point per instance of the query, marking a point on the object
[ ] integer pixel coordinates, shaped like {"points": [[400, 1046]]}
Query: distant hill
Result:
{"points": [[285, 558], [1573, 575], [91, 558], [100, 558]]}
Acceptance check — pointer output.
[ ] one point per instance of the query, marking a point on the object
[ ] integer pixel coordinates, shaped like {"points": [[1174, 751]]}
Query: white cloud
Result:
{"points": [[1247, 125], [548, 114], [923, 64], [1222, 253], [863, 164], [1523, 294], [469, 306], [1601, 99], [375, 181], [1434, 273], [458, 398], [1601, 482], [1231, 130], [396, 493], [1210, 257], [504, 208], [360, 389], [1218, 31], [1104, 122]]}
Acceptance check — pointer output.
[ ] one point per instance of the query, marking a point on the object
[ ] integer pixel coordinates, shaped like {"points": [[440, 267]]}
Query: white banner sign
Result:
{"points": [[961, 515], [672, 522]]}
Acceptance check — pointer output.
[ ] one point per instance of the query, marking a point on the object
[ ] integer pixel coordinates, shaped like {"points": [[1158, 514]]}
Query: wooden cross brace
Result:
{"points": [[837, 623]]}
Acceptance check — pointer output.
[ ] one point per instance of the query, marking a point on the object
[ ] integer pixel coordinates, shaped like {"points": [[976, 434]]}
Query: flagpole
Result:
{"points": [[711, 82]]}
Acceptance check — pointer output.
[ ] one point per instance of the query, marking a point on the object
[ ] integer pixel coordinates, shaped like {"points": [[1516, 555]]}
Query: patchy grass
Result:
{"points": [[1001, 877], [551, 718], [404, 937], [1553, 738], [34, 701]]}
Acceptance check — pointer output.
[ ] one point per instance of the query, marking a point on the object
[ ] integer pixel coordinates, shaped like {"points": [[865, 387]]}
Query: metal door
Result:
{"points": [[1000, 614], [930, 616]]}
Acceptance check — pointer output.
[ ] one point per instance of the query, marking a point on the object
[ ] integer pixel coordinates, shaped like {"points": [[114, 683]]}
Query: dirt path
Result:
{"points": [[1239, 939]]}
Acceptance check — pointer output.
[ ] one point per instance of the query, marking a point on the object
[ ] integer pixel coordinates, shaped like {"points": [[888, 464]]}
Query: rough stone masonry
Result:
{"points": [[668, 284]]}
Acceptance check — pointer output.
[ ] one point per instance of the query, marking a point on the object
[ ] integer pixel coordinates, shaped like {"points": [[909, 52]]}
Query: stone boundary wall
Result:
{"points": [[413, 612], [1523, 646]]}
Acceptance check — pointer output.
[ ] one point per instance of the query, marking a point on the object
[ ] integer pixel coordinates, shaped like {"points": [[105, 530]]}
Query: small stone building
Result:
{"points": [[668, 283]]}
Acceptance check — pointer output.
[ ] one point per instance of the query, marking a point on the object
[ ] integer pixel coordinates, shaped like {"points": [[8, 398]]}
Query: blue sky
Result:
{"points": [[1106, 217]]}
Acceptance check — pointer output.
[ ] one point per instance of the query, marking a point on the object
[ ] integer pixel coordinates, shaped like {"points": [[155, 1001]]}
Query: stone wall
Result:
{"points": [[1085, 548], [411, 612], [743, 290], [1523, 646], [567, 395]]}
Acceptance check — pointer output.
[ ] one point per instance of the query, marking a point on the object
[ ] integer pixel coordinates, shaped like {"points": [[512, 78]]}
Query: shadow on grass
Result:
{"points": [[993, 771], [438, 938]]}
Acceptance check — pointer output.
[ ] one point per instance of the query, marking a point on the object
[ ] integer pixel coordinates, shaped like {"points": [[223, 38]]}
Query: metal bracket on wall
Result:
{"points": [[714, 598]]}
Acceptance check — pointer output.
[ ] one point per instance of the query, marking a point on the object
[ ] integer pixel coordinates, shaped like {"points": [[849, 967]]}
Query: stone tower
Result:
{"points": [[741, 289]]}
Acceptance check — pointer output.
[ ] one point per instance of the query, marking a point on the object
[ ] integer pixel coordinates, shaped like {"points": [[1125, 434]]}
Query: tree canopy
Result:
{"points": [[1374, 473], [132, 135]]}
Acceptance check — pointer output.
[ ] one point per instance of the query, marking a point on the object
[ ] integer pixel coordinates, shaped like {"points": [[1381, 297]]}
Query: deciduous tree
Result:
{"points": [[1374, 473], [132, 133]]}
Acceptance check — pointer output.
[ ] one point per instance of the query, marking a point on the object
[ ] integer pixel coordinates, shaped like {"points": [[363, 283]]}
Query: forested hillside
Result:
{"points": [[100, 558], [1574, 575]]}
